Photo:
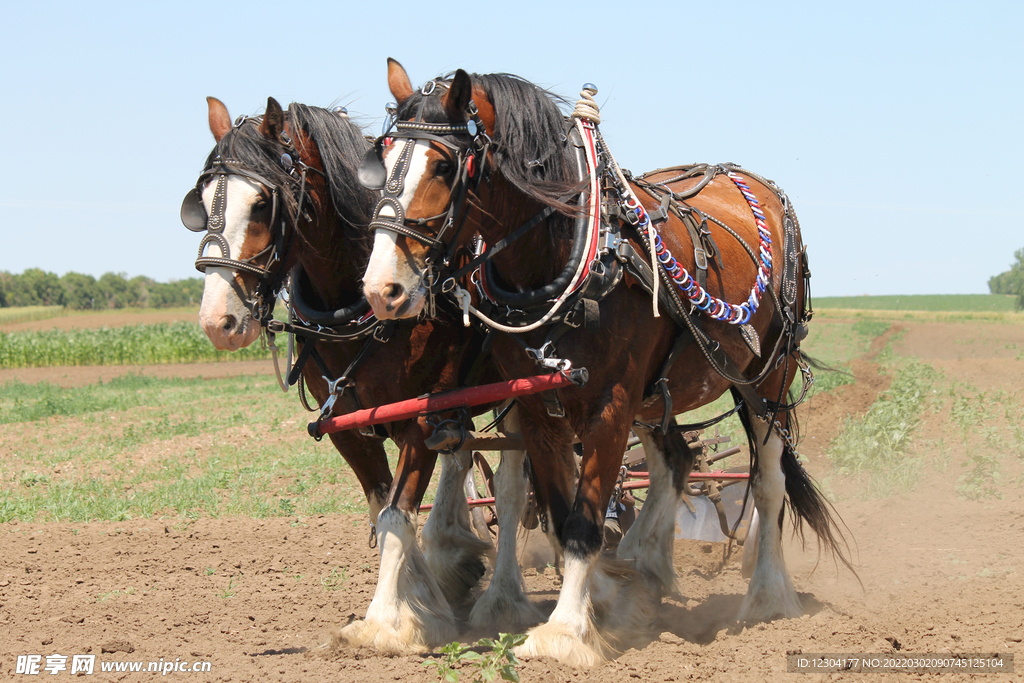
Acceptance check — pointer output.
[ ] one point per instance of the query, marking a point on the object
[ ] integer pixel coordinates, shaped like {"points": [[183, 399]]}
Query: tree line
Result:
{"points": [[36, 287], [1010, 281]]}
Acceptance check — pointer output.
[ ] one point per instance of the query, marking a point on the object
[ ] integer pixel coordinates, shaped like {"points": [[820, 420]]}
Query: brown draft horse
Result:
{"points": [[323, 232], [452, 180]]}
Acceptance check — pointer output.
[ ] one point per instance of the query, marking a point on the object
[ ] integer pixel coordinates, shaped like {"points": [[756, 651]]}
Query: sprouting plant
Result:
{"points": [[981, 480], [453, 654], [228, 592], [500, 661], [334, 580], [497, 660]]}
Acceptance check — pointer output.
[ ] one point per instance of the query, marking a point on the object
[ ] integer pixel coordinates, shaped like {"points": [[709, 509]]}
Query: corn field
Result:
{"points": [[23, 314], [179, 342]]}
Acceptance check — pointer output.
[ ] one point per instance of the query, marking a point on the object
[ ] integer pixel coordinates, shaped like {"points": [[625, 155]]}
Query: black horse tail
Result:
{"points": [[821, 365], [805, 500]]}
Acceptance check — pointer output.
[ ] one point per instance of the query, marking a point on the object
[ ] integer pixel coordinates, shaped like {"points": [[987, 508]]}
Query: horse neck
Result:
{"points": [[325, 247], [536, 258], [327, 256]]}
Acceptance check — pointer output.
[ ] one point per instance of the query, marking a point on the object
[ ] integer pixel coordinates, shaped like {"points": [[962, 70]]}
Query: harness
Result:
{"points": [[600, 253], [349, 324]]}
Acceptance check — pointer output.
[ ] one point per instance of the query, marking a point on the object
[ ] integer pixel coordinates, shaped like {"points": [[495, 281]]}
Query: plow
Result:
{"points": [[712, 509]]}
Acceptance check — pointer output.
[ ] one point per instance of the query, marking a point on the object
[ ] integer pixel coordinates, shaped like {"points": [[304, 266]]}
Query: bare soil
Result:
{"points": [[260, 599]]}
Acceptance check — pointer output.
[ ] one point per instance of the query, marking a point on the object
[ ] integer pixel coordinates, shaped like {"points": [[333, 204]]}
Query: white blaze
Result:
{"points": [[388, 266], [219, 299]]}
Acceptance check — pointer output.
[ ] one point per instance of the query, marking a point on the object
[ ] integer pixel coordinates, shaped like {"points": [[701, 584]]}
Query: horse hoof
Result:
{"points": [[385, 638], [767, 606], [506, 613], [558, 642]]}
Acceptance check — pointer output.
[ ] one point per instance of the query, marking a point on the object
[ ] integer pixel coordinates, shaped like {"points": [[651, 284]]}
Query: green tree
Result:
{"points": [[35, 287], [81, 292], [116, 290], [1012, 280]]}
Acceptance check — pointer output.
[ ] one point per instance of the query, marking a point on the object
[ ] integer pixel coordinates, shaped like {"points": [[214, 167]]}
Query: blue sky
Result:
{"points": [[894, 127]]}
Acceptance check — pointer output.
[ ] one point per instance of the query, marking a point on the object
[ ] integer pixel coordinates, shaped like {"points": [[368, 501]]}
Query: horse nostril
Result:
{"points": [[229, 323], [393, 291]]}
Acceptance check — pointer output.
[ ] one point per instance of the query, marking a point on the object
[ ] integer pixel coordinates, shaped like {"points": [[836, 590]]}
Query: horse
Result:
{"points": [[279, 196], [580, 265]]}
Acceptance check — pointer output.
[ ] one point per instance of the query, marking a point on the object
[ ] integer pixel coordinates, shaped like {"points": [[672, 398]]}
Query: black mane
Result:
{"points": [[529, 134], [341, 146]]}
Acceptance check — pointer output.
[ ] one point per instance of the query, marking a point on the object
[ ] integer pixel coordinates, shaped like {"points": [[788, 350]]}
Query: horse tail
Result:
{"points": [[818, 364], [809, 505], [806, 501]]}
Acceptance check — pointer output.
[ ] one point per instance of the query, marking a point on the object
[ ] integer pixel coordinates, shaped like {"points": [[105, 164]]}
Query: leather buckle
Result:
{"points": [[381, 333], [701, 257]]}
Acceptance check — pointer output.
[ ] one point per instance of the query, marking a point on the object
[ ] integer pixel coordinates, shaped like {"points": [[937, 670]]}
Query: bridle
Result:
{"points": [[470, 159], [270, 276], [470, 162]]}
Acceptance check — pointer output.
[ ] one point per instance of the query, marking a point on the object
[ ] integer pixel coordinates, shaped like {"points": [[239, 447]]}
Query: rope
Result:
{"points": [[713, 306], [586, 106]]}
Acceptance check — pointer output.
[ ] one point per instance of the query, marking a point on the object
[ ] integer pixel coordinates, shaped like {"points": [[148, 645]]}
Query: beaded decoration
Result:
{"points": [[734, 314]]}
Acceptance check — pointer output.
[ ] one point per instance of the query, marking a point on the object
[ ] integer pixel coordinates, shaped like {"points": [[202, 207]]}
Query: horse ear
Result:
{"points": [[398, 81], [220, 121], [460, 92], [273, 120]]}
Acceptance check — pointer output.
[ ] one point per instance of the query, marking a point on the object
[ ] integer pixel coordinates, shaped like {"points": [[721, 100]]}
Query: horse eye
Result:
{"points": [[260, 205], [443, 169]]}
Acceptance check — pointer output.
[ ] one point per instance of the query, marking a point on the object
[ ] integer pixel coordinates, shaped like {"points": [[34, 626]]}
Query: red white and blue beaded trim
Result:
{"points": [[734, 314]]}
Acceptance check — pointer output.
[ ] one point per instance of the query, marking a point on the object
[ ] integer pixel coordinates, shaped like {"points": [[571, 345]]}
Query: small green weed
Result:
{"points": [[497, 660], [229, 591], [334, 580], [981, 480]]}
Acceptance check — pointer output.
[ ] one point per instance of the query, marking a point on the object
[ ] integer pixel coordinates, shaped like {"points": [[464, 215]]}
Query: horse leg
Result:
{"points": [[504, 603], [770, 593], [369, 462], [570, 635], [453, 552], [648, 543], [408, 612]]}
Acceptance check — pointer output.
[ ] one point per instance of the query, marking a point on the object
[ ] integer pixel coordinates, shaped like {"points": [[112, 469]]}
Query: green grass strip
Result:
{"points": [[877, 444], [960, 303], [179, 342]]}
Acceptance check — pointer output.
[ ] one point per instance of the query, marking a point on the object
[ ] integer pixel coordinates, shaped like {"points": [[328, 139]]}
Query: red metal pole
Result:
{"points": [[698, 476], [471, 396]]}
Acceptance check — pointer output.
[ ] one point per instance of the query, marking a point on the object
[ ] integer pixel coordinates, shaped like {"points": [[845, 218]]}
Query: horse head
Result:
{"points": [[425, 167], [465, 154], [264, 183]]}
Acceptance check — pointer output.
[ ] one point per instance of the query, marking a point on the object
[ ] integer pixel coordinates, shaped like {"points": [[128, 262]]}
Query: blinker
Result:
{"points": [[193, 213], [372, 174]]}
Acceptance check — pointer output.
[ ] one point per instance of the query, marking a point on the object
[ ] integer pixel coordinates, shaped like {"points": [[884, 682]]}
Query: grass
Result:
{"points": [[877, 445], [922, 302], [24, 314], [179, 342], [147, 447]]}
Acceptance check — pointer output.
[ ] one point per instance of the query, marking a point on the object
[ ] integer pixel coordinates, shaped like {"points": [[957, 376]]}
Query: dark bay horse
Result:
{"points": [[279, 195], [493, 155]]}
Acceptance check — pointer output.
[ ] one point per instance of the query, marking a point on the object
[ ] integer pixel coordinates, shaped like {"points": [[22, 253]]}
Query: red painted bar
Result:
{"points": [[472, 502], [698, 476], [471, 396]]}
